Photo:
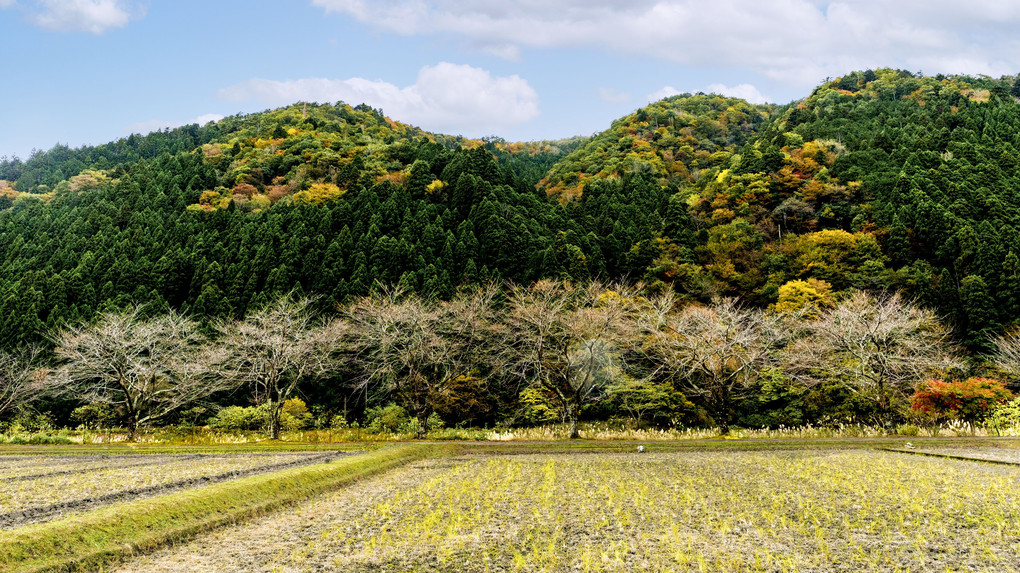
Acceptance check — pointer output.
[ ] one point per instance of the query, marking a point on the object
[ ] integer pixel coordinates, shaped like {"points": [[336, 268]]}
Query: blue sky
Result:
{"points": [[90, 71]]}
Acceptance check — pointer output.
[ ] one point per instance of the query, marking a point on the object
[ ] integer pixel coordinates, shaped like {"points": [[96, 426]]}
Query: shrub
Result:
{"points": [[30, 422], [241, 418], [536, 407], [295, 415], [907, 430], [36, 439], [969, 400], [339, 422], [390, 418], [1005, 415], [93, 416]]}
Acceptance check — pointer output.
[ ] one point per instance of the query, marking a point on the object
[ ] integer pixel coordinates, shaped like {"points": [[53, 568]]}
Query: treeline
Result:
{"points": [[522, 355]]}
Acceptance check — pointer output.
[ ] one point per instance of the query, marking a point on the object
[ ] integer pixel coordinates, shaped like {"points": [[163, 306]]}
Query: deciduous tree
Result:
{"points": [[418, 350], [275, 348], [566, 339], [20, 378], [879, 346], [714, 352], [148, 367]]}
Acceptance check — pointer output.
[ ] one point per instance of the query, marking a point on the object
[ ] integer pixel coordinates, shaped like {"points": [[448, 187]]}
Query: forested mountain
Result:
{"points": [[315, 198], [672, 140], [877, 180]]}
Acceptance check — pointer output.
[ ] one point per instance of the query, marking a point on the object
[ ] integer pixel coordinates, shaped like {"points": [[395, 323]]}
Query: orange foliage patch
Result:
{"points": [[398, 178], [276, 192], [245, 190]]}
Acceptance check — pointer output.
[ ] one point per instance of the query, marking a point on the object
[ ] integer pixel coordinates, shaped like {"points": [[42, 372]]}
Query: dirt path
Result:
{"points": [[264, 544]]}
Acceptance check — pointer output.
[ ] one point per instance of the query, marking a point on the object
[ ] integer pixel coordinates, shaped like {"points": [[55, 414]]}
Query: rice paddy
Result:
{"points": [[791, 510], [39, 488]]}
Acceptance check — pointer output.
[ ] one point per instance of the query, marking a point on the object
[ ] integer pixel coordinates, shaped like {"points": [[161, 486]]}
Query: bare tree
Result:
{"points": [[149, 367], [715, 353], [566, 339], [276, 348], [1007, 353], [417, 350], [879, 347], [20, 379]]}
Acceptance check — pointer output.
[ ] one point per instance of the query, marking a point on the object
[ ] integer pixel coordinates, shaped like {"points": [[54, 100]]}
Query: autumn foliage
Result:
{"points": [[969, 400]]}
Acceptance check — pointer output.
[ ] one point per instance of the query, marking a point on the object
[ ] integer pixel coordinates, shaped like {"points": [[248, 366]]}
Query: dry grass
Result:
{"points": [[686, 511]]}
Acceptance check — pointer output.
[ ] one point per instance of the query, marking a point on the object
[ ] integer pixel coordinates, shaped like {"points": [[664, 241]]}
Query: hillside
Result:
{"points": [[215, 219], [672, 140], [877, 180]]}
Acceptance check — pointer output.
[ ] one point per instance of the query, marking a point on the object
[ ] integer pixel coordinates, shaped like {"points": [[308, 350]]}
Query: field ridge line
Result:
{"points": [[950, 457]]}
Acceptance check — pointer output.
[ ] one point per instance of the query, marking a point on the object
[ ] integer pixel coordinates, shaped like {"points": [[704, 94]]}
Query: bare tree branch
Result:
{"points": [[149, 367], [714, 353], [880, 347], [20, 379], [416, 349], [274, 349], [566, 339]]}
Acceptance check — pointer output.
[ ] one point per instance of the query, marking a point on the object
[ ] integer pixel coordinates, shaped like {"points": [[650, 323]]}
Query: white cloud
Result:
{"points": [[742, 91], [663, 93], [446, 97], [613, 96], [91, 16], [6, 3], [151, 125], [794, 41]]}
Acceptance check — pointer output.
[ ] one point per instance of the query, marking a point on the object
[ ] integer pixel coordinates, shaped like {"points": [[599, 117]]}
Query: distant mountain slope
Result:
{"points": [[672, 139], [325, 199], [880, 179]]}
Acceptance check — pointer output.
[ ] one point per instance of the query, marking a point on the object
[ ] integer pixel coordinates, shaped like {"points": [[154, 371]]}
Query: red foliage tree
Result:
{"points": [[969, 400]]}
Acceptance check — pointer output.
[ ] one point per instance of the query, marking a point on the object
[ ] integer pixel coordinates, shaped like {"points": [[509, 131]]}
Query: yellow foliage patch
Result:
{"points": [[6, 190], [809, 296], [318, 194], [980, 96], [435, 187], [88, 179]]}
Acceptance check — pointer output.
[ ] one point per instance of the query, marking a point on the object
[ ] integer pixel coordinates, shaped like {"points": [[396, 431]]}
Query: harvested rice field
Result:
{"points": [[799, 510], [40, 488], [992, 454]]}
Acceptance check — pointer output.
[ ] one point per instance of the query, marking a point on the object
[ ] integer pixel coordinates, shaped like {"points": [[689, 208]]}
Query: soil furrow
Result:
{"points": [[45, 513]]}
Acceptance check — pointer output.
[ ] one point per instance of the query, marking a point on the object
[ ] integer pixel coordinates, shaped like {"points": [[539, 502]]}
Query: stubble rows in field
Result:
{"points": [[696, 511], [38, 488]]}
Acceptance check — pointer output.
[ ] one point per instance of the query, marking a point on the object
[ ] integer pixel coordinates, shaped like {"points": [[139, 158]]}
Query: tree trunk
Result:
{"points": [[423, 426], [885, 405], [274, 420], [719, 406], [572, 416], [132, 428]]}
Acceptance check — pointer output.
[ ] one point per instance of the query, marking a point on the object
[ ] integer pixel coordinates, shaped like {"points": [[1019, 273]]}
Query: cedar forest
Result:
{"points": [[882, 181]]}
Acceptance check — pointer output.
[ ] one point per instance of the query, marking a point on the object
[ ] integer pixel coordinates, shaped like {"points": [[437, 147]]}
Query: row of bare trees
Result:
{"points": [[575, 342]]}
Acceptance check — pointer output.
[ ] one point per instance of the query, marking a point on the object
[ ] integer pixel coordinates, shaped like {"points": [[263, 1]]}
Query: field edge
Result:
{"points": [[107, 535]]}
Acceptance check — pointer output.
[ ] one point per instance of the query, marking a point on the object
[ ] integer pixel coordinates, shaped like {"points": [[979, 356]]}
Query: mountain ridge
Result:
{"points": [[878, 180]]}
